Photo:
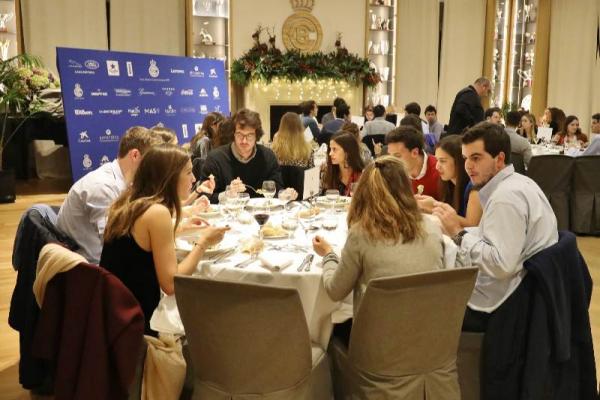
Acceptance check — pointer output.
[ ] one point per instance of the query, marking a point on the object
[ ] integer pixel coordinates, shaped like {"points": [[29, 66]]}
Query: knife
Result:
{"points": [[306, 259], [309, 262]]}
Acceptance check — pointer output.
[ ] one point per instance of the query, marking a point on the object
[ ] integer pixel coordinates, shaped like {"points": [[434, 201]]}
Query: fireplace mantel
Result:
{"points": [[259, 96]]}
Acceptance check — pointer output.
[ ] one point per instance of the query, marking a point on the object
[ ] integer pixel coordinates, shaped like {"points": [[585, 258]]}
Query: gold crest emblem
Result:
{"points": [[301, 30]]}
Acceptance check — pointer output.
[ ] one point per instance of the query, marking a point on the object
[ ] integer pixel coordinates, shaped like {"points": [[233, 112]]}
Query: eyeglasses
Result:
{"points": [[250, 137]]}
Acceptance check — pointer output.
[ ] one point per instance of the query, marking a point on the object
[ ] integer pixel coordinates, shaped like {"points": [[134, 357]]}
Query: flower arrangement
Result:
{"points": [[263, 63]]}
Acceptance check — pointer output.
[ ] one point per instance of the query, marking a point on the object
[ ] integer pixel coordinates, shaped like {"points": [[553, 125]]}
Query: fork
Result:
{"points": [[247, 262], [222, 256]]}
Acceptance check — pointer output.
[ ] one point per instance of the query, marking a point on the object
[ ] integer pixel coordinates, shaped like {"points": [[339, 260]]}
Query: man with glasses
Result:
{"points": [[242, 163]]}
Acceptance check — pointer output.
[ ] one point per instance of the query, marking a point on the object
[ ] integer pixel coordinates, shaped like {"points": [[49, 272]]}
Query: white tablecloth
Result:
{"points": [[320, 311]]}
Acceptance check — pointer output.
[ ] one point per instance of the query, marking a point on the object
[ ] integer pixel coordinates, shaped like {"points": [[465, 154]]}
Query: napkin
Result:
{"points": [[275, 260]]}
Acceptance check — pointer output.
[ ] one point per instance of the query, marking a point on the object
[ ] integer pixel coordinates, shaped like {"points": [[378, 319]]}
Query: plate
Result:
{"points": [[182, 244], [341, 202], [213, 212], [278, 237], [260, 202]]}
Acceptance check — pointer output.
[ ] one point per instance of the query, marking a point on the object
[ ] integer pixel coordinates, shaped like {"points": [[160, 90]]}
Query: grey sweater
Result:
{"points": [[363, 260]]}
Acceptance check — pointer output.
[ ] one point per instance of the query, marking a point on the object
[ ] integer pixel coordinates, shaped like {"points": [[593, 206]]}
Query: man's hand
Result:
{"points": [[377, 148], [208, 186], [321, 246], [237, 185], [291, 192], [448, 217]]}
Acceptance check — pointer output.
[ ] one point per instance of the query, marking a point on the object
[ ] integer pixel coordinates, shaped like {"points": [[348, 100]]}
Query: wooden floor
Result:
{"points": [[53, 192]]}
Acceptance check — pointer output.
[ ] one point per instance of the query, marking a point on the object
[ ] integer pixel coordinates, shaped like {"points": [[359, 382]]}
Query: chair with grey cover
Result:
{"points": [[554, 174], [404, 339], [518, 163], [585, 203], [250, 341]]}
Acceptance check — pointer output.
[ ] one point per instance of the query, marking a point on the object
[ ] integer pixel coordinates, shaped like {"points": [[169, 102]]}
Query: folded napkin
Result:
{"points": [[275, 260]]}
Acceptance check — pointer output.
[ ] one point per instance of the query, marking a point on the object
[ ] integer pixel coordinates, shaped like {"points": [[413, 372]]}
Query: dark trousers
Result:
{"points": [[342, 331], [475, 321]]}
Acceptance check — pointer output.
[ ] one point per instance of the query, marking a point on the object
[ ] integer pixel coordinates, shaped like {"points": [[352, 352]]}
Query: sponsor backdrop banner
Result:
{"points": [[106, 92]]}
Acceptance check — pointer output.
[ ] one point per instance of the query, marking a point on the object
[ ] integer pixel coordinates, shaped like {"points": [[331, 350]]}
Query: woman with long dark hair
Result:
{"points": [[344, 164], [202, 142], [140, 235], [456, 188], [570, 133]]}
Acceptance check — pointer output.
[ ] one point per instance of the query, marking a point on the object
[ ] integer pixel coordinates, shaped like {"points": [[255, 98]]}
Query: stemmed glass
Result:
{"points": [[261, 216], [290, 224], [268, 190], [332, 195], [285, 196]]}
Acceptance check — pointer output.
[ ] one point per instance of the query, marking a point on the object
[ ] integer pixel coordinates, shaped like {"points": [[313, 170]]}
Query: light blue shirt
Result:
{"points": [[83, 214], [593, 148], [517, 223], [378, 126]]}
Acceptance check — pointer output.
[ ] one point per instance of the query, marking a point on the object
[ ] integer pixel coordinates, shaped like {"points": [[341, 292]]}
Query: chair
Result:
{"points": [[368, 140], [197, 164], [585, 205], [404, 339], [518, 163], [293, 177], [553, 173], [248, 341], [468, 363]]}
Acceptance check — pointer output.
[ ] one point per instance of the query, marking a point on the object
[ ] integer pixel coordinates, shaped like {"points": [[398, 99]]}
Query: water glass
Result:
{"points": [[332, 195]]}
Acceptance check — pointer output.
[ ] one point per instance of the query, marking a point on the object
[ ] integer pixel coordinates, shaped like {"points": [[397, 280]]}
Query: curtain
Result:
{"points": [[417, 38], [148, 26], [63, 23], [461, 59], [573, 67]]}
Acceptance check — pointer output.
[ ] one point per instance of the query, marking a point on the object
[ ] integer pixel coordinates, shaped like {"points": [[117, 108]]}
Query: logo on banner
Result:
{"points": [[187, 92], [74, 64], [197, 127], [83, 113], [217, 108], [134, 112], [112, 67], [203, 109], [78, 91], [92, 64], [203, 93], [152, 111], [170, 111], [213, 73], [153, 69], [143, 92], [99, 93], [87, 162], [177, 71], [108, 137], [113, 111], [168, 91], [122, 92], [187, 110], [185, 131], [216, 93], [104, 160], [84, 137], [129, 65], [196, 73]]}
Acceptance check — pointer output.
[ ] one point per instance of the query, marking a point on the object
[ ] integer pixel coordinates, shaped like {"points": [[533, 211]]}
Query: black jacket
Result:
{"points": [[466, 111], [539, 341]]}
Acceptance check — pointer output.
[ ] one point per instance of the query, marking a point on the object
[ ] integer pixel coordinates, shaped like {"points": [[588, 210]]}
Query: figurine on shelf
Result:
{"points": [[205, 37], [4, 46], [4, 18], [373, 21], [220, 9], [384, 23], [525, 76], [378, 23]]}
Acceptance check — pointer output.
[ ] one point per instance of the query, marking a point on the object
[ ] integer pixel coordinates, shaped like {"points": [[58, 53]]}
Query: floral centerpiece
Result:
{"points": [[264, 62]]}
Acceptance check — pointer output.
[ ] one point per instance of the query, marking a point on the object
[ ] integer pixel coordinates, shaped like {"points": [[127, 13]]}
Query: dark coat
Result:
{"points": [[466, 111]]}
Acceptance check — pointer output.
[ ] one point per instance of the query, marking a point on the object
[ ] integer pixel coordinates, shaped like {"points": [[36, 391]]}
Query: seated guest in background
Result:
{"points": [[553, 118], [167, 135], [493, 115], [571, 133], [406, 143], [289, 144], [435, 128], [243, 162], [309, 111], [342, 115], [224, 133], [379, 126], [456, 188], [365, 153], [330, 116], [415, 109], [387, 236], [344, 165], [518, 144], [517, 222], [82, 215], [202, 142], [139, 237], [369, 114], [594, 147], [528, 128]]}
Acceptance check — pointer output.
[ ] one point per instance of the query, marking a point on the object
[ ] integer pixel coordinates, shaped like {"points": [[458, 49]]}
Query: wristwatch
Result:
{"points": [[459, 237]]}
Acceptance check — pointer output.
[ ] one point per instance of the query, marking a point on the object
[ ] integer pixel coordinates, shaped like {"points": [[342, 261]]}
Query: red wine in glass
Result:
{"points": [[261, 218]]}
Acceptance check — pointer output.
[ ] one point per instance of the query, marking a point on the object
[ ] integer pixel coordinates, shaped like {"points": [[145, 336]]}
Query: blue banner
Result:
{"points": [[106, 92]]}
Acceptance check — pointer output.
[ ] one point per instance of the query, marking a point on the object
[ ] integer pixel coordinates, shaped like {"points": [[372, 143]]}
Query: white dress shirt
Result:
{"points": [[83, 214], [517, 223]]}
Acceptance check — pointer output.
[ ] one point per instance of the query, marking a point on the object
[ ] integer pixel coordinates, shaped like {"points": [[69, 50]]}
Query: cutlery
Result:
{"points": [[247, 262], [306, 259], [222, 256], [309, 262]]}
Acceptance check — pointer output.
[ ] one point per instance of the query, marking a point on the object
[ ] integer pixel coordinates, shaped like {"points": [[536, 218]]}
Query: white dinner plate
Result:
{"points": [[341, 202], [261, 202]]}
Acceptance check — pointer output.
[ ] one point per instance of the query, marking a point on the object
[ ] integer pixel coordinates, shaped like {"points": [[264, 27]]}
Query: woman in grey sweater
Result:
{"points": [[387, 235]]}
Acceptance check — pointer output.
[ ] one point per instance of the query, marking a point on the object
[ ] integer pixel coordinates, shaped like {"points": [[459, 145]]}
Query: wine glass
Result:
{"points": [[268, 190], [290, 224], [332, 195], [261, 216]]}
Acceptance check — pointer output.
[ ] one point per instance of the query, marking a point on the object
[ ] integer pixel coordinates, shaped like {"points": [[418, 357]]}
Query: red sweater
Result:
{"points": [[430, 180]]}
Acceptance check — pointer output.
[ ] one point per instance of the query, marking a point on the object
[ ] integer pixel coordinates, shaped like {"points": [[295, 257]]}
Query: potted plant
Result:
{"points": [[22, 79]]}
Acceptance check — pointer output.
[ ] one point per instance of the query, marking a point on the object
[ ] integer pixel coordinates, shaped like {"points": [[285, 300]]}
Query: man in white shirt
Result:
{"points": [[517, 222], [518, 144], [82, 215]]}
